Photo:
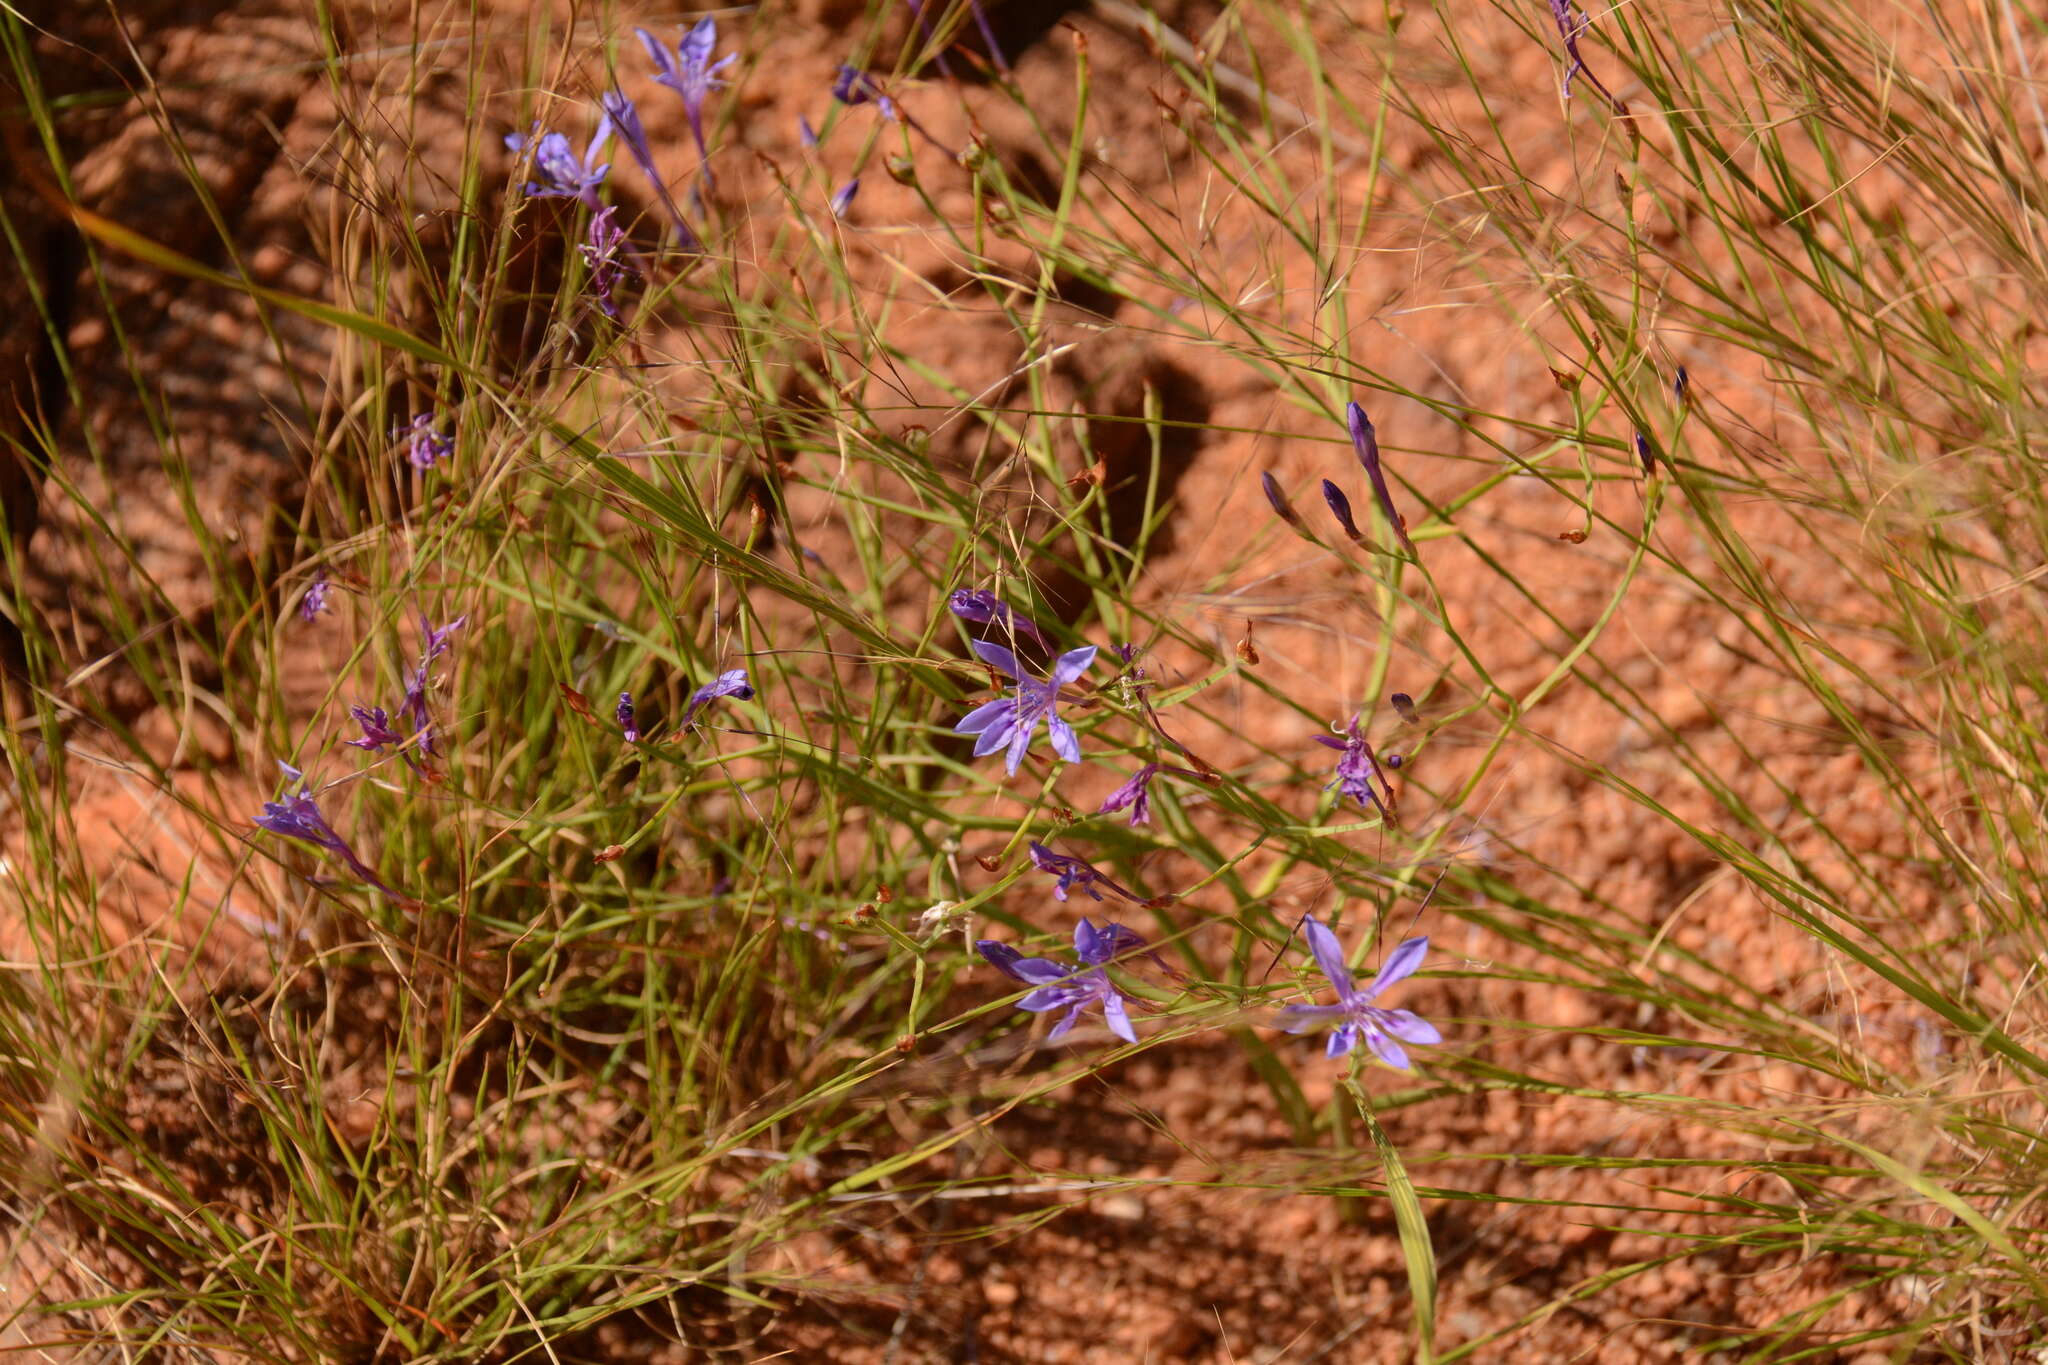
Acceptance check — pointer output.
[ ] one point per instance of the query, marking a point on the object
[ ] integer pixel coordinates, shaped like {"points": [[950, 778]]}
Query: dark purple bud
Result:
{"points": [[622, 113], [1392, 760], [843, 199], [1404, 706], [1366, 443], [1281, 505], [1340, 507], [980, 607], [624, 714], [1646, 454], [1679, 384]]}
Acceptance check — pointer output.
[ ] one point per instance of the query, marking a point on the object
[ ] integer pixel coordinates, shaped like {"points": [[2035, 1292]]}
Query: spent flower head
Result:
{"points": [[1009, 722], [1060, 986], [1354, 1014], [627, 724], [607, 254], [315, 601], [434, 642]]}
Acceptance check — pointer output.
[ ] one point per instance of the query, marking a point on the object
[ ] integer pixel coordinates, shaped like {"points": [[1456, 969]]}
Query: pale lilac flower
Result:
{"points": [[316, 601], [1009, 722], [1340, 507], [979, 607], [842, 199], [627, 725], [1060, 986], [1366, 442], [1357, 768], [1075, 873], [563, 176], [621, 112], [601, 249], [1135, 793], [1354, 1013], [690, 72], [297, 816], [732, 683], [424, 446]]}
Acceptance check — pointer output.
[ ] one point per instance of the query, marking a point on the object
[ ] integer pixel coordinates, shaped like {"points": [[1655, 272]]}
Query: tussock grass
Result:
{"points": [[648, 1026]]}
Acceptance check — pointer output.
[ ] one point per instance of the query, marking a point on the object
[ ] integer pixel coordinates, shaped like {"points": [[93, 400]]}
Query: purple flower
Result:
{"points": [[1062, 987], [620, 112], [1357, 768], [854, 86], [1011, 721], [1366, 442], [297, 816], [434, 643], [729, 684], [690, 72], [981, 608], [1075, 872], [1570, 26], [1136, 794], [1284, 508], [424, 446], [601, 250], [842, 199], [625, 717], [562, 175], [1354, 1011], [315, 601], [1340, 507], [376, 727]]}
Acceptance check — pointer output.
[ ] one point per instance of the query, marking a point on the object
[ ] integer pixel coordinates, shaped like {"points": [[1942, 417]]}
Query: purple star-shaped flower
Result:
{"points": [[1011, 721], [1357, 768], [979, 607], [562, 175], [297, 816], [690, 72], [1060, 986], [376, 727], [732, 683], [1354, 1013]]}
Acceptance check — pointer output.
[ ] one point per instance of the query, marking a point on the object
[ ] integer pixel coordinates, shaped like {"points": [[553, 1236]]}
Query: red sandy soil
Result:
{"points": [[1172, 1271]]}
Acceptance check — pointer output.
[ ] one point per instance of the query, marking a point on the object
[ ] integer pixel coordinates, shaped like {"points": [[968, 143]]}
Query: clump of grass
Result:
{"points": [[635, 1026]]}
